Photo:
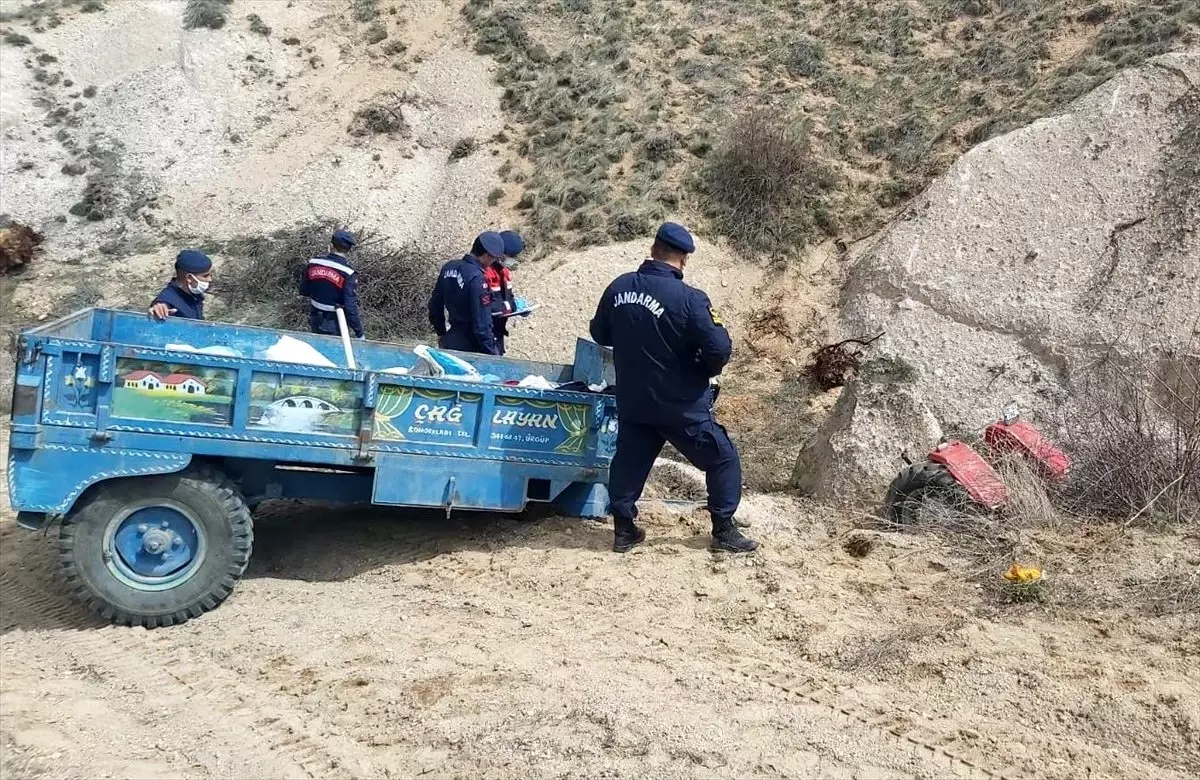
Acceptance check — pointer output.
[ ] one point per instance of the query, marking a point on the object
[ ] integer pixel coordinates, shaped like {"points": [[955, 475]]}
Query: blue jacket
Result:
{"points": [[186, 304], [329, 282], [460, 289], [667, 343]]}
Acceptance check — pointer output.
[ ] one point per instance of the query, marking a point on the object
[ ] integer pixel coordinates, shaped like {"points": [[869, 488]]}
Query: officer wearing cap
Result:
{"points": [[462, 293], [499, 280], [330, 284], [184, 295], [668, 344]]}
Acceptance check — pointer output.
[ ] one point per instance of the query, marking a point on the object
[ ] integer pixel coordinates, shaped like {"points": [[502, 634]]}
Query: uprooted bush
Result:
{"points": [[764, 187], [1135, 439], [259, 281]]}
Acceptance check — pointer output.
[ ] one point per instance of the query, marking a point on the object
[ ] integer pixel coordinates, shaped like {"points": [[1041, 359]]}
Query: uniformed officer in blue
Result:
{"points": [[462, 292], [668, 344], [330, 284], [184, 295]]}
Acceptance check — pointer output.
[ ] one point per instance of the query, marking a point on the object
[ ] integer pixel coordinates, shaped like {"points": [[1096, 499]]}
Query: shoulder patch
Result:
{"points": [[716, 318]]}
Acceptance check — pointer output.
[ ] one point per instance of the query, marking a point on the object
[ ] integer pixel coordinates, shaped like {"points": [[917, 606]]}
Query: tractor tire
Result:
{"points": [[918, 484], [157, 551]]}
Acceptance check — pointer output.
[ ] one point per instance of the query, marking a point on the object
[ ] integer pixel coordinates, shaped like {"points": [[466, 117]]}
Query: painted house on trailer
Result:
{"points": [[176, 383], [184, 383], [142, 380]]}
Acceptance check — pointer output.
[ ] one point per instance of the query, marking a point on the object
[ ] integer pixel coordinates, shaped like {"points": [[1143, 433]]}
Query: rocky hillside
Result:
{"points": [[782, 122], [1044, 261], [787, 134]]}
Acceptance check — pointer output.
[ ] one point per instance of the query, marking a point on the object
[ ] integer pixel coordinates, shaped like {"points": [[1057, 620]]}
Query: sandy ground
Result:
{"points": [[369, 644], [364, 643]]}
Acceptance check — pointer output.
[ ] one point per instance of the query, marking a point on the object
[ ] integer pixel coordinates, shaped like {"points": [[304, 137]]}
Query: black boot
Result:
{"points": [[726, 537], [626, 535]]}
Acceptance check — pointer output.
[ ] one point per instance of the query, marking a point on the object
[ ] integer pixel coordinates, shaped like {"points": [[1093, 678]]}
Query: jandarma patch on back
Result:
{"points": [[641, 299]]}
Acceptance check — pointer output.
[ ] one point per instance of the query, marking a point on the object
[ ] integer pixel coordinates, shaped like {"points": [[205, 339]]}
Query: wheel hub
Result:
{"points": [[157, 541], [155, 546]]}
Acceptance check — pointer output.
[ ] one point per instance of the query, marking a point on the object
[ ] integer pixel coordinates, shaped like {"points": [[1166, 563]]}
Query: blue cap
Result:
{"points": [[513, 243], [491, 243], [676, 237], [193, 261], [345, 238]]}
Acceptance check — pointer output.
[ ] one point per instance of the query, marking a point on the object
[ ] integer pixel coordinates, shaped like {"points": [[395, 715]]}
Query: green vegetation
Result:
{"points": [[365, 10], [384, 115], [206, 13], [258, 26], [464, 147], [45, 13], [166, 406], [624, 102], [763, 187], [16, 39], [375, 33]]}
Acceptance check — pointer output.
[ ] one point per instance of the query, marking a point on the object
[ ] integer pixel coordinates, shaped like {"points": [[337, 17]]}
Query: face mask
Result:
{"points": [[197, 287]]}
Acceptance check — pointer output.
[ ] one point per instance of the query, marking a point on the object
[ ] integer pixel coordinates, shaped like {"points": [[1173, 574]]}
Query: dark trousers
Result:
{"points": [[323, 322], [499, 331], [460, 340], [706, 446]]}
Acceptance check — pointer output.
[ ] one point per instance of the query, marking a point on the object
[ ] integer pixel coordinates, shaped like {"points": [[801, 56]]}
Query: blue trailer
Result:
{"points": [[152, 442]]}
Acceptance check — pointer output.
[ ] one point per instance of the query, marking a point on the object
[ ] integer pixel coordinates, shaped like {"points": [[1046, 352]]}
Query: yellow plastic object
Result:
{"points": [[1022, 574]]}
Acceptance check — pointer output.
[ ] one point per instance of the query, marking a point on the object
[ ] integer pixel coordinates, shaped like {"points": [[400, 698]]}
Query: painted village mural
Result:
{"points": [[149, 390]]}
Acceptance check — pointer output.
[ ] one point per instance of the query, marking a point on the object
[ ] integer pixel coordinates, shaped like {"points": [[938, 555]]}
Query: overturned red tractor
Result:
{"points": [[955, 475]]}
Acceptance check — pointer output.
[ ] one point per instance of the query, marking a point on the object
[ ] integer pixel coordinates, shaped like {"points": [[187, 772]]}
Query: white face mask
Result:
{"points": [[197, 287]]}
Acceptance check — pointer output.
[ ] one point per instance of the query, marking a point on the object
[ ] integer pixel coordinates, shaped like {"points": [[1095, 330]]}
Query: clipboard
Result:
{"points": [[506, 315]]}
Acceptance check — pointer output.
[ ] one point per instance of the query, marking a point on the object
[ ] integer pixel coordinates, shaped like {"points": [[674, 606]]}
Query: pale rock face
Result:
{"points": [[1042, 247], [879, 416], [1037, 252]]}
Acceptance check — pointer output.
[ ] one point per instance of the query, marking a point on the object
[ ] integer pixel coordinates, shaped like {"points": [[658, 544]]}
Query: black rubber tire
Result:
{"points": [[217, 505], [917, 484]]}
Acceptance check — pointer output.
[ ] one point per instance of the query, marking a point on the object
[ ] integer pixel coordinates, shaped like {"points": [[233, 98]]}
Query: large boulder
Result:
{"points": [[1041, 249], [879, 416]]}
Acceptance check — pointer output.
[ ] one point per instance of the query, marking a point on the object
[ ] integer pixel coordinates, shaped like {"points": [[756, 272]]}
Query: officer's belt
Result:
{"points": [[322, 306]]}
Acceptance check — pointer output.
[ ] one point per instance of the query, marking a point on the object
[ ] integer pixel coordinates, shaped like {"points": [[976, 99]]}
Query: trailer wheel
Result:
{"points": [[156, 551], [918, 485]]}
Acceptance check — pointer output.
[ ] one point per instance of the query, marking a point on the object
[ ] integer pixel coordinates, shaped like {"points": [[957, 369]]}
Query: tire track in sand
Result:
{"points": [[168, 673]]}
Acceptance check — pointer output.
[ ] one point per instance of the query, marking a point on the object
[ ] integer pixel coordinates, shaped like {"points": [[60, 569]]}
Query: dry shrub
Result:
{"points": [[764, 187], [383, 115], [1030, 495], [260, 282], [892, 651], [206, 13], [1171, 593], [1135, 439], [17, 244]]}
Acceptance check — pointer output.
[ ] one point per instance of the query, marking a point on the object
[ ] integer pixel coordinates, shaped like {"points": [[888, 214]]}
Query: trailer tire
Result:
{"points": [[918, 484], [157, 551]]}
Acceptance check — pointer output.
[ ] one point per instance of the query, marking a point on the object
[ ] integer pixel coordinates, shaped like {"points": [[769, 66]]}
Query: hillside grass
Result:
{"points": [[632, 108]]}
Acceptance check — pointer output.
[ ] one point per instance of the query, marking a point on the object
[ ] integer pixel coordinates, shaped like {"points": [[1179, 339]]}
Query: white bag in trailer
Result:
{"points": [[290, 350]]}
